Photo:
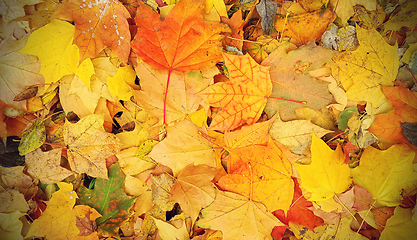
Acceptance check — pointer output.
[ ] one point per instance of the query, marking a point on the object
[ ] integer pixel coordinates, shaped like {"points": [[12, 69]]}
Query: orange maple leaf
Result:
{"points": [[243, 98], [97, 24], [387, 127], [184, 41], [261, 173]]}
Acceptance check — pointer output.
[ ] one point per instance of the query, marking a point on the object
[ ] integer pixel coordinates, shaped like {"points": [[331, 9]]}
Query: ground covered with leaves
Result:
{"points": [[214, 119]]}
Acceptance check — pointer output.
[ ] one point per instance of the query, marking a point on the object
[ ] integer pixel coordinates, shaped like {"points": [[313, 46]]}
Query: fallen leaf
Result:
{"points": [[290, 80], [344, 8], [342, 230], [12, 200], [15, 65], [88, 145], [46, 166], [11, 226], [58, 221], [387, 127], [238, 218], [410, 132], [305, 27], [400, 225], [267, 10], [181, 101], [10, 10], [193, 189], [52, 44], [261, 173], [97, 24], [327, 174], [109, 199], [169, 232], [249, 135], [118, 84], [32, 138], [296, 135], [243, 98], [161, 188], [184, 41], [183, 145], [236, 36], [299, 212], [363, 71], [388, 175], [85, 221]]}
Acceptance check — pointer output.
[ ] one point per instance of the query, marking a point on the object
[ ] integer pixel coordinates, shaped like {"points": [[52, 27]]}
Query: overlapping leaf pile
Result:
{"points": [[208, 119]]}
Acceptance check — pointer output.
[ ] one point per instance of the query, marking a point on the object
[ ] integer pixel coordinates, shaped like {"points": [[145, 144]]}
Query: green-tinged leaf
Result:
{"points": [[33, 138], [109, 199]]}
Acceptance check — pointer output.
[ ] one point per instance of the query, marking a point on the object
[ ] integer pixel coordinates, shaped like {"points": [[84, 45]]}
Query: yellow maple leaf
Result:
{"points": [[118, 83], [88, 146], [11, 226], [345, 8], [400, 225], [52, 44], [388, 175], [238, 218], [327, 174], [363, 71], [169, 232], [58, 221]]}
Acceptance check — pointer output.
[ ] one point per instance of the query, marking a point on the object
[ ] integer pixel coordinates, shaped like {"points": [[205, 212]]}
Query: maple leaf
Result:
{"points": [[184, 41], [10, 225], [85, 221], [10, 10], [58, 221], [299, 212], [290, 80], [249, 135], [363, 71], [296, 135], [344, 8], [238, 218], [388, 175], [97, 24], [15, 65], [46, 166], [88, 145], [243, 98], [52, 44], [236, 24], [193, 189], [178, 103], [400, 225], [327, 174], [183, 145], [305, 27], [387, 127], [109, 199], [118, 83], [168, 231], [261, 173]]}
